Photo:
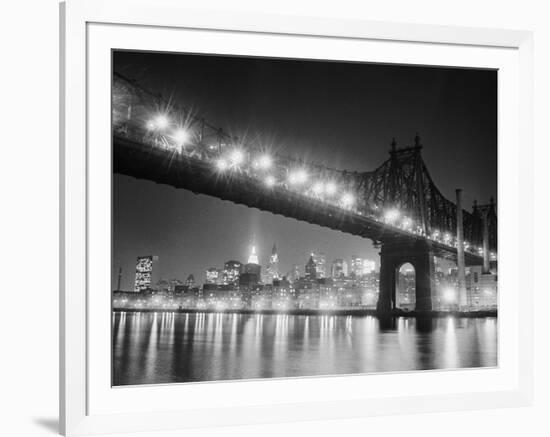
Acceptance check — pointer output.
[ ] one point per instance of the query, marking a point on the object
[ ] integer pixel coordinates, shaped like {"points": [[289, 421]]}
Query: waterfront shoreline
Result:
{"points": [[309, 312]]}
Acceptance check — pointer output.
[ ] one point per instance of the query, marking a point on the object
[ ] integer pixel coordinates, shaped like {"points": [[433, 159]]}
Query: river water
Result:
{"points": [[152, 348]]}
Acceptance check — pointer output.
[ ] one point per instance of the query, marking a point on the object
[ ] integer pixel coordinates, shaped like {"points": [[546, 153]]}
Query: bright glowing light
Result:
{"points": [[265, 161], [447, 237], [435, 234], [330, 188], [298, 176], [221, 164], [270, 181], [236, 157], [391, 215], [449, 295], [318, 188], [348, 199], [150, 125], [161, 121], [181, 136]]}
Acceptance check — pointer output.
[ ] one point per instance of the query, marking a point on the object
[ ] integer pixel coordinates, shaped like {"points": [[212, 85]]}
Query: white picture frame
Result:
{"points": [[88, 405]]}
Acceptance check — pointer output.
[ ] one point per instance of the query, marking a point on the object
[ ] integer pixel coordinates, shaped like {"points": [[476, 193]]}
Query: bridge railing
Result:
{"points": [[146, 118]]}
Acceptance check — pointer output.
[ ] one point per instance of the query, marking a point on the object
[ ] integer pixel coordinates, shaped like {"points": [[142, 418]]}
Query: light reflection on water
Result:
{"points": [[151, 348]]}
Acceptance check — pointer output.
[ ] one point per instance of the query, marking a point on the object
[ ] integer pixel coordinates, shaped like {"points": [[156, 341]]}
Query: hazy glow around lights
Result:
{"points": [[449, 295], [330, 188], [348, 199], [264, 161], [298, 177], [221, 164], [237, 157], [161, 122], [318, 188], [391, 215], [270, 181], [181, 136]]}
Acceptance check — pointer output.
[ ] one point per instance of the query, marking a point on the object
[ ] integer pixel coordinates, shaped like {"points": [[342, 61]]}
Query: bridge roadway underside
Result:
{"points": [[167, 167]]}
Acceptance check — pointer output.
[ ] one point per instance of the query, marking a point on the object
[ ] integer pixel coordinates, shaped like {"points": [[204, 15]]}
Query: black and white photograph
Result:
{"points": [[277, 218]]}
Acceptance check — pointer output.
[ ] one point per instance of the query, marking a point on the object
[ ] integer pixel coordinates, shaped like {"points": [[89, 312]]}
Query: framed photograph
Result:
{"points": [[270, 218]]}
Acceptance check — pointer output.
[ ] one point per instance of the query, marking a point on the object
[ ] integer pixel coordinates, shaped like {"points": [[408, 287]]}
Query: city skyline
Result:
{"points": [[238, 287], [203, 274]]}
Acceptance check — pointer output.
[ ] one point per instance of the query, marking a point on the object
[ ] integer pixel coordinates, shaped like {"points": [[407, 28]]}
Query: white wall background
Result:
{"points": [[29, 210]]}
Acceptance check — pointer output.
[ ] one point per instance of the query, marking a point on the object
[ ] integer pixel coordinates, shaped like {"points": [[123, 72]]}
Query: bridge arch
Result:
{"points": [[393, 256], [406, 287]]}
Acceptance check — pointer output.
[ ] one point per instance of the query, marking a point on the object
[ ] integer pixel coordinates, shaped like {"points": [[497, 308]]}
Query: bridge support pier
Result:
{"points": [[392, 256]]}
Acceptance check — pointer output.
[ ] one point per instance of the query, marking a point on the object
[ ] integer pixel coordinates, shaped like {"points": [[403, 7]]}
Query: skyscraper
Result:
{"points": [[272, 270], [337, 268], [345, 268], [368, 266], [231, 272], [119, 279], [294, 273], [190, 282], [320, 261], [144, 272], [253, 258], [212, 275], [311, 269], [356, 266], [253, 265]]}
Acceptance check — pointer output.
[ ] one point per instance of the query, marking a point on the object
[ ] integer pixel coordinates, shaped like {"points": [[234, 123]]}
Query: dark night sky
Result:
{"points": [[342, 114]]}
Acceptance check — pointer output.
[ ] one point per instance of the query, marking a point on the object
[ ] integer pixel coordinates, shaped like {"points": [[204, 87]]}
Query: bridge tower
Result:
{"points": [[405, 189]]}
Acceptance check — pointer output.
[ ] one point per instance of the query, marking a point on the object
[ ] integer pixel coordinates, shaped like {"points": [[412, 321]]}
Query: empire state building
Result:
{"points": [[253, 264], [253, 258]]}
